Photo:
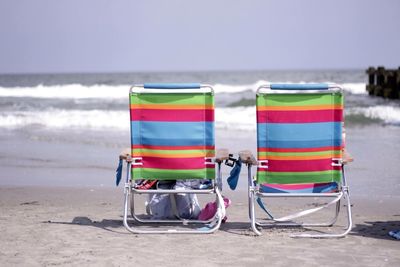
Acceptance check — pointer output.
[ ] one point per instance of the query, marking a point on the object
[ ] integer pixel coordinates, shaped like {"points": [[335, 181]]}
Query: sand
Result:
{"points": [[63, 211], [83, 226]]}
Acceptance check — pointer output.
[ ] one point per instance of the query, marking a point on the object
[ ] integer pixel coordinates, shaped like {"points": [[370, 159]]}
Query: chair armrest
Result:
{"points": [[347, 158], [221, 155], [125, 155], [247, 157]]}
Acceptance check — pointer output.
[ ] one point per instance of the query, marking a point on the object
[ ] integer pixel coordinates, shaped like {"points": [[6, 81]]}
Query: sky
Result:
{"points": [[64, 36]]}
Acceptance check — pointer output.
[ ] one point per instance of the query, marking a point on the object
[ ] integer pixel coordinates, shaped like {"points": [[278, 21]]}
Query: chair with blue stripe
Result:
{"points": [[299, 154], [172, 138]]}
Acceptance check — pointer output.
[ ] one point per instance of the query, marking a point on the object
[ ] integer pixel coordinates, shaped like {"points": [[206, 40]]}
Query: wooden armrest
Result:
{"points": [[221, 154], [125, 154], [247, 157], [347, 158]]}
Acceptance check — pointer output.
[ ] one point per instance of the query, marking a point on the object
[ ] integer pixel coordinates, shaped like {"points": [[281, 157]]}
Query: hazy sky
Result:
{"points": [[187, 35]]}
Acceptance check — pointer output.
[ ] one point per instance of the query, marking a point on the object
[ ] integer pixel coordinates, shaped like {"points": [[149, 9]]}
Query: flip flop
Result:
{"points": [[395, 234]]}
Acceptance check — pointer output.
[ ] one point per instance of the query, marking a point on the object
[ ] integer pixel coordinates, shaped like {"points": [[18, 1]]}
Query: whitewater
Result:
{"points": [[105, 107]]}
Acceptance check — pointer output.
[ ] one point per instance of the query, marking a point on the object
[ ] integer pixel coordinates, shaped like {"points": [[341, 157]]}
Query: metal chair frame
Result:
{"points": [[130, 189], [254, 190]]}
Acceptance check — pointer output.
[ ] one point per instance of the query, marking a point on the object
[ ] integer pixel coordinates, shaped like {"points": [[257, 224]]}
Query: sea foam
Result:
{"points": [[77, 114], [68, 91], [79, 91], [388, 114]]}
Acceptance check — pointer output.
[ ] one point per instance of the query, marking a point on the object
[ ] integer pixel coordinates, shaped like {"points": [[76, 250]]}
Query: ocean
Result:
{"points": [[99, 101], [68, 129]]}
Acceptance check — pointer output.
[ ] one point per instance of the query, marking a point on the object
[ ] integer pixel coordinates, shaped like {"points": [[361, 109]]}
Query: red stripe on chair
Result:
{"points": [[300, 165], [311, 149], [172, 115], [300, 116], [173, 163]]}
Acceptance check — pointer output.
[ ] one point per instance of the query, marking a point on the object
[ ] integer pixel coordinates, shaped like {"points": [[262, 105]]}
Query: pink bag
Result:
{"points": [[211, 208]]}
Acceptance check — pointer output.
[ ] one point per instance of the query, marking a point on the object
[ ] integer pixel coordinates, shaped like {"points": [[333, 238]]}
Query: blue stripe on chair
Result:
{"points": [[298, 144], [172, 133], [301, 86], [298, 135], [299, 131], [171, 85]]}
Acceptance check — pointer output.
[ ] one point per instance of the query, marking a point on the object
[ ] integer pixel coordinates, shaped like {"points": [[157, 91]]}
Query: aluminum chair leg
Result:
{"points": [[251, 201], [271, 222], [343, 234], [255, 223], [252, 213]]}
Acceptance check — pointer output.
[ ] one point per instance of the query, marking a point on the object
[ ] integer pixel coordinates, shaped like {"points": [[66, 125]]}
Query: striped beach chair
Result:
{"points": [[299, 143], [172, 138]]}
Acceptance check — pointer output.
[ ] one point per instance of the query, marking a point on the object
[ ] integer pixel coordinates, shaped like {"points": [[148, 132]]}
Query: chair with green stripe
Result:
{"points": [[172, 138], [299, 156]]}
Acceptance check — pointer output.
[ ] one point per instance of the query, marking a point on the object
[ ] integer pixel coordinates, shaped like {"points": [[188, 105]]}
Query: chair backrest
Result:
{"points": [[299, 134], [172, 133]]}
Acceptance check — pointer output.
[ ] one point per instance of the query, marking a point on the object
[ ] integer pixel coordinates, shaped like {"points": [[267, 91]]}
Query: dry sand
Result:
{"points": [[43, 226]]}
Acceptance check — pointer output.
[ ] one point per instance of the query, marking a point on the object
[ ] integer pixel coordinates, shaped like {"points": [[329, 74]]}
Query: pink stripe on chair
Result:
{"points": [[300, 165], [300, 116], [172, 115], [173, 163]]}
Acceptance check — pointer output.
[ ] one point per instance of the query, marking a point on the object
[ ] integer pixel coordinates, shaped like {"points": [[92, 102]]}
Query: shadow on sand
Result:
{"points": [[378, 229], [104, 224]]}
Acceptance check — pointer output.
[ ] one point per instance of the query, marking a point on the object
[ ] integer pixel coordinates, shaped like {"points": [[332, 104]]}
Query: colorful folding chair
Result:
{"points": [[172, 138], [299, 152]]}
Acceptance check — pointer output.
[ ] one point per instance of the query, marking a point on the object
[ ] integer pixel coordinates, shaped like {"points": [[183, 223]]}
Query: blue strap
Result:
{"points": [[299, 86], [119, 172], [171, 86], [234, 175], [262, 206]]}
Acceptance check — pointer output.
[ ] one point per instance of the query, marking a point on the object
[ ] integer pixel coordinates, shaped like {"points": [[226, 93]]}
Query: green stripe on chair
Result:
{"points": [[300, 154], [162, 174], [297, 178], [176, 98], [299, 99]]}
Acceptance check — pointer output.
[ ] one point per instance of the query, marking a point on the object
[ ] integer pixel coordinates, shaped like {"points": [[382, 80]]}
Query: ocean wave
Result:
{"points": [[55, 118], [355, 88], [228, 118], [79, 91], [387, 114], [236, 118], [68, 91], [239, 118]]}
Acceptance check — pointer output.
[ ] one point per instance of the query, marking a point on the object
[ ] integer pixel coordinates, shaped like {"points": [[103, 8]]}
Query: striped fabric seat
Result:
{"points": [[300, 188], [172, 135], [299, 137]]}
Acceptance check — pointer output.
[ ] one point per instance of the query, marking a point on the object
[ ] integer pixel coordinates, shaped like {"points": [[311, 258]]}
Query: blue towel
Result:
{"points": [[119, 172], [234, 175]]}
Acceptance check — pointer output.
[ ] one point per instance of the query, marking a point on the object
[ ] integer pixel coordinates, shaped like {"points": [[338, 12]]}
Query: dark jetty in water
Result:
{"points": [[384, 82]]}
